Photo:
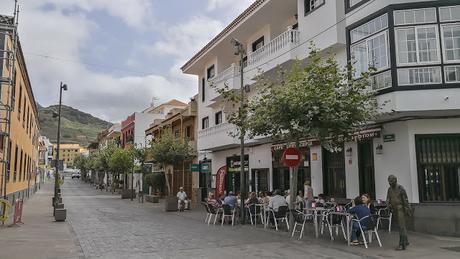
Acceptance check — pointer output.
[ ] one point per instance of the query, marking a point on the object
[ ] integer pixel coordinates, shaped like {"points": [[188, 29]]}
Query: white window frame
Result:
{"points": [[414, 10], [416, 84], [449, 8], [381, 74], [445, 75], [444, 53], [438, 50], [366, 40]]}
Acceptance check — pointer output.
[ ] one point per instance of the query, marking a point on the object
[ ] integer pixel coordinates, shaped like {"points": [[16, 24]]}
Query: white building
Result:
{"points": [[415, 46]]}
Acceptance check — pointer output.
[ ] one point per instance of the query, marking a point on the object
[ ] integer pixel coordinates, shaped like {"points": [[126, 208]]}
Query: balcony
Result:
{"points": [[277, 47], [217, 137]]}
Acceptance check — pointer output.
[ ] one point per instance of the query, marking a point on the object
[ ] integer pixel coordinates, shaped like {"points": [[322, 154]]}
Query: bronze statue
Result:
{"points": [[398, 203]]}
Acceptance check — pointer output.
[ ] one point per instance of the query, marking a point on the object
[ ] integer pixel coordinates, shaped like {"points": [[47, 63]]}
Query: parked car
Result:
{"points": [[76, 175]]}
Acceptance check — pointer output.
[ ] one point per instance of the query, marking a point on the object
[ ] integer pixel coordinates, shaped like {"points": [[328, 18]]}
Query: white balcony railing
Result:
{"points": [[212, 131], [228, 74], [285, 41]]}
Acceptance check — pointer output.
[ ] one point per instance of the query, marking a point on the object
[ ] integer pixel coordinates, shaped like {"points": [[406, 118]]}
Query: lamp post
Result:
{"points": [[56, 175], [238, 50]]}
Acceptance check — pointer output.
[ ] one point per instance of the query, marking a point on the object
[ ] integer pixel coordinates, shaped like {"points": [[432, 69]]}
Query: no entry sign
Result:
{"points": [[291, 157]]}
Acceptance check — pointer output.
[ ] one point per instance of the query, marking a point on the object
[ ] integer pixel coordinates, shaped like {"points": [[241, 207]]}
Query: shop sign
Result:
{"points": [[389, 138], [283, 146], [234, 164], [367, 134], [196, 168]]}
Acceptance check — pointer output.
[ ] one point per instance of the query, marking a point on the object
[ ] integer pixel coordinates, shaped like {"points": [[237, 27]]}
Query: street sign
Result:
{"points": [[291, 157], [205, 168], [196, 168], [389, 138]]}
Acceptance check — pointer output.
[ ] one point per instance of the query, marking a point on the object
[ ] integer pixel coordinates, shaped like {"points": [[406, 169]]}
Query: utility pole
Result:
{"points": [[239, 50]]}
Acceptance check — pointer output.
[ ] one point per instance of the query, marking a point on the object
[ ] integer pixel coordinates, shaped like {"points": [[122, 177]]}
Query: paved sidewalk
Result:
{"points": [[39, 237]]}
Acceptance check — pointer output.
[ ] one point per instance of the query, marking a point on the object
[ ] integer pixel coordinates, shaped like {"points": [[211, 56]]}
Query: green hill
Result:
{"points": [[76, 126]]}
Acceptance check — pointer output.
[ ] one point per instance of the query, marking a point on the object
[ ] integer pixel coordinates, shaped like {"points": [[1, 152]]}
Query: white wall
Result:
{"points": [[351, 170], [316, 170]]}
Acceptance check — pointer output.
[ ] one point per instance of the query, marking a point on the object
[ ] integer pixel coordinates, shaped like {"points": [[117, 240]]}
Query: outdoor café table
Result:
{"points": [[317, 211], [348, 217]]}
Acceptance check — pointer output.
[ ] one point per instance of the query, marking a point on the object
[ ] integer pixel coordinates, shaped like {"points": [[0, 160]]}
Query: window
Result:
{"points": [[438, 167], [419, 76], [2, 47], [15, 164], [371, 52], [369, 28], [311, 5], [353, 3], [8, 172], [211, 72], [418, 16], [205, 123], [177, 133], [20, 102], [203, 90], [417, 45], [449, 13], [259, 43], [452, 74], [189, 133], [21, 157], [218, 118], [381, 81], [451, 42]]}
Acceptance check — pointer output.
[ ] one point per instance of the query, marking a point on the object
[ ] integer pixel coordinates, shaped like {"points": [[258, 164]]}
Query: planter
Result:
{"points": [[152, 198], [126, 194], [170, 203]]}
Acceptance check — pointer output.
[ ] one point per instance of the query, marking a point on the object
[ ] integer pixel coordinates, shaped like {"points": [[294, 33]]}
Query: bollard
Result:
{"points": [[60, 214]]}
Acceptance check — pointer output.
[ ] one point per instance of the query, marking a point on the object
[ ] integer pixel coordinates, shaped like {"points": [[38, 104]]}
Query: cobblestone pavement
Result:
{"points": [[108, 227]]}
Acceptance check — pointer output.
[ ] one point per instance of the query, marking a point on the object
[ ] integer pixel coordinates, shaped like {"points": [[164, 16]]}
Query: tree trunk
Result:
{"points": [[167, 181]]}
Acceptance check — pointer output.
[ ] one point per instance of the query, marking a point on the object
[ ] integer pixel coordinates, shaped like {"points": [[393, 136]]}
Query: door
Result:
{"points": [[259, 180], [334, 174], [366, 168]]}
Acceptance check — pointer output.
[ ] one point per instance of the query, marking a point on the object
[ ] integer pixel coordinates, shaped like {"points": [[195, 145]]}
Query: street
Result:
{"points": [[108, 227]]}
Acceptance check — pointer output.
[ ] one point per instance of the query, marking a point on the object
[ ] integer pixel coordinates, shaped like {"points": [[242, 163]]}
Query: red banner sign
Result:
{"points": [[17, 211], [220, 180]]}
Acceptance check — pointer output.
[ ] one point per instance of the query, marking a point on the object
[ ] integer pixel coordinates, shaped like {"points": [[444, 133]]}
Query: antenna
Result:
{"points": [[154, 99]]}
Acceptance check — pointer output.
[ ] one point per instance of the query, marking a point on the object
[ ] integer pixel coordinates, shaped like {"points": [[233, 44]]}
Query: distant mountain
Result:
{"points": [[76, 126]]}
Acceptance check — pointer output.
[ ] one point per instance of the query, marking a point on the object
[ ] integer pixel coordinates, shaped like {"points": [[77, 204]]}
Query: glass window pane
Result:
{"points": [[428, 50], [369, 28], [451, 38], [359, 57], [406, 45], [417, 76], [427, 15], [449, 13], [381, 81], [378, 57], [452, 74]]}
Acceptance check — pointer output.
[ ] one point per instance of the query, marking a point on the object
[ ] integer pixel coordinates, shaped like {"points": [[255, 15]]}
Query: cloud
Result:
{"points": [[186, 39], [235, 6]]}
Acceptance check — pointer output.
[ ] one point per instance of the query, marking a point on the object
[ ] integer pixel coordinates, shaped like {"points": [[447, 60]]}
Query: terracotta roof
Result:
{"points": [[227, 29]]}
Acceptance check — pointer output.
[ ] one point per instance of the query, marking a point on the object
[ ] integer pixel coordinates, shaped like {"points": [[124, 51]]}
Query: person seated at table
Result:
{"points": [[252, 199], [231, 200], [368, 202], [212, 201], [363, 214], [320, 200], [277, 201], [266, 198], [288, 196], [299, 201]]}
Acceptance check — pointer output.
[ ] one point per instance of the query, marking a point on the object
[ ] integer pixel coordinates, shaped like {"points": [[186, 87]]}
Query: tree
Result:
{"points": [[121, 161], [141, 155], [169, 150], [82, 163], [156, 180], [317, 101]]}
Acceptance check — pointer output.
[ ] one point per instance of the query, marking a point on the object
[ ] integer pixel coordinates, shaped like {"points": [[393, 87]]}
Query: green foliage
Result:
{"points": [[169, 150], [315, 101], [83, 164], [155, 180], [121, 161], [76, 126]]}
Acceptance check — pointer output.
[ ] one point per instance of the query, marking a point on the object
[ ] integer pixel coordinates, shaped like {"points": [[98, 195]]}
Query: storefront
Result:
{"points": [[232, 178], [281, 172]]}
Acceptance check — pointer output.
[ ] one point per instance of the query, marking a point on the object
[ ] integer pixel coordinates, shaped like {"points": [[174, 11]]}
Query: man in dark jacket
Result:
{"points": [[398, 203]]}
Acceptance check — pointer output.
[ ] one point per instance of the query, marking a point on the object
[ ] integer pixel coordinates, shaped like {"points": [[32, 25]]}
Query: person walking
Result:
{"points": [[398, 203]]}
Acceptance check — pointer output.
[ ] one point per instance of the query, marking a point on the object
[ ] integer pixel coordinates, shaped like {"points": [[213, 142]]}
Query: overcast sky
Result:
{"points": [[116, 55]]}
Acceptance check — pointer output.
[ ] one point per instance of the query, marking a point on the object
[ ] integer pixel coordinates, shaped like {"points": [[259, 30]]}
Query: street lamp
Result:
{"points": [[238, 50], [56, 198]]}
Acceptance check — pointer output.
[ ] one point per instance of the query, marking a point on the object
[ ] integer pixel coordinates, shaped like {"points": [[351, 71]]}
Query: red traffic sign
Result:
{"points": [[291, 157]]}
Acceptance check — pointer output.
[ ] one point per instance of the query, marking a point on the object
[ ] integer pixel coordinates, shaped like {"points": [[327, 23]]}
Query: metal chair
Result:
{"points": [[325, 221], [228, 212], [255, 210], [371, 229], [336, 221], [214, 212], [300, 219], [384, 214], [280, 215]]}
